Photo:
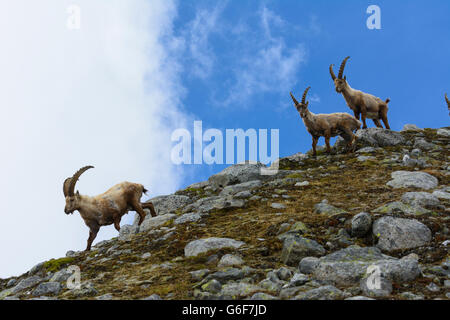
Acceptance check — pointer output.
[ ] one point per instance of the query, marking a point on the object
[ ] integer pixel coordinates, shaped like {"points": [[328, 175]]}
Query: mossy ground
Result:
{"points": [[345, 182]]}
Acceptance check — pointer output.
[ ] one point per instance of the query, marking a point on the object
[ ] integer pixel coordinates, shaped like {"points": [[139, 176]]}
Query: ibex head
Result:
{"points": [[302, 107], [72, 199], [339, 81]]}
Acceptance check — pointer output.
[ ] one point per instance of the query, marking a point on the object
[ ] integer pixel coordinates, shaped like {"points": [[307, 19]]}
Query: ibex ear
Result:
{"points": [[345, 78], [77, 194]]}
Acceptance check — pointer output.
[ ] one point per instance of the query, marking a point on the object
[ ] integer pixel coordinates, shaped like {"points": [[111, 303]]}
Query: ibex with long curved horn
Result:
{"points": [[107, 208], [448, 104], [364, 104], [327, 125]]}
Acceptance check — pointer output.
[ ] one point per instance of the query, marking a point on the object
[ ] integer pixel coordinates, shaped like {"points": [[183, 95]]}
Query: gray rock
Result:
{"points": [[11, 282], [87, 289], [155, 222], [361, 224], [441, 194], [295, 248], [236, 174], [302, 184], [212, 286], [322, 293], [146, 255], [378, 137], [444, 132], [409, 179], [61, 275], [71, 253], [298, 279], [263, 296], [411, 127], [399, 233], [240, 289], [187, 217], [107, 296], [283, 273], [359, 298], [365, 158], [153, 297], [423, 199], [348, 266], [52, 288], [229, 260], [367, 150], [169, 203], [422, 144], [278, 206], [411, 296], [127, 231], [397, 207], [36, 269], [308, 265], [198, 275], [432, 287], [271, 286], [196, 247], [245, 186], [243, 195], [223, 276], [378, 287], [228, 203], [325, 208], [26, 283]]}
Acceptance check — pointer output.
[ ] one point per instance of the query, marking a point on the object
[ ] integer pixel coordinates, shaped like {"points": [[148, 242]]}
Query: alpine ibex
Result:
{"points": [[107, 208], [448, 104], [327, 125], [364, 104]]}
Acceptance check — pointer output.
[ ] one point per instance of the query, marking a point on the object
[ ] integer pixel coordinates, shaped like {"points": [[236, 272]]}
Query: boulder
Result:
{"points": [[236, 174], [361, 224], [409, 179], [52, 288], [423, 199], [295, 248], [398, 233], [155, 222], [196, 247]]}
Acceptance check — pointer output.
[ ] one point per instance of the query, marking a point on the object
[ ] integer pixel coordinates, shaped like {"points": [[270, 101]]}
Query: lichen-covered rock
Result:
{"points": [[423, 199], [196, 247], [398, 207], [325, 208], [348, 266], [295, 248], [239, 290], [409, 179], [376, 286], [361, 224], [229, 260], [399, 233], [52, 288], [187, 217], [308, 264], [26, 283], [322, 293], [155, 222], [263, 296], [379, 137], [127, 231], [245, 186], [236, 174]]}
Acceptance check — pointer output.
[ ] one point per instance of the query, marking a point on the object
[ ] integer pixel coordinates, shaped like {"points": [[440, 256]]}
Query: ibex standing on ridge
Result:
{"points": [[448, 104], [106, 208], [364, 104], [327, 125]]}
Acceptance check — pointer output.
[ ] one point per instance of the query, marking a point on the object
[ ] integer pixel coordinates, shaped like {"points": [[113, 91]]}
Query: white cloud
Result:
{"points": [[272, 68], [105, 95], [197, 35]]}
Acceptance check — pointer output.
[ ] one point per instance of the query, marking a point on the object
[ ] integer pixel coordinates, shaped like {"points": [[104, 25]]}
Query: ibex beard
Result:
{"points": [[106, 208]]}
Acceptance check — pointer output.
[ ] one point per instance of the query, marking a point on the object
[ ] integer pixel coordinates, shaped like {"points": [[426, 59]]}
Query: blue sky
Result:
{"points": [[243, 57]]}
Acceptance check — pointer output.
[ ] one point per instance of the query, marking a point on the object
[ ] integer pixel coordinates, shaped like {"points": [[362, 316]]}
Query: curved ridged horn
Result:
{"points": [[333, 76], [293, 98], [70, 182], [304, 95], [66, 186], [446, 99], [341, 69]]}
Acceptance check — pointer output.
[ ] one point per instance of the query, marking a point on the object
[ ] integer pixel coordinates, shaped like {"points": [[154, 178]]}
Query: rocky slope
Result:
{"points": [[315, 230]]}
